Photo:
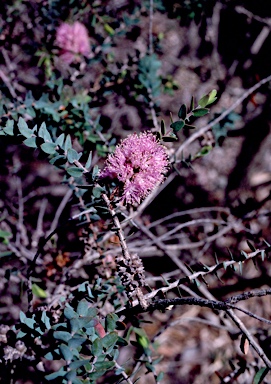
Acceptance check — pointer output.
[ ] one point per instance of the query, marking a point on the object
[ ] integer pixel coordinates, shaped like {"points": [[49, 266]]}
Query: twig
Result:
{"points": [[8, 84], [251, 15], [187, 212], [177, 247], [248, 295], [150, 28], [60, 209], [80, 166], [21, 235], [196, 320], [250, 338], [191, 223], [39, 230], [200, 243]]}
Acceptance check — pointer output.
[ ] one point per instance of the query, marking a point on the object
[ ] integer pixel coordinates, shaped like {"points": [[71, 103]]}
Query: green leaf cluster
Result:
{"points": [[187, 116]]}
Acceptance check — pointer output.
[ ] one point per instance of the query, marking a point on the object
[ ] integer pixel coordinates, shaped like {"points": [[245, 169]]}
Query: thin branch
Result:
{"points": [[150, 28], [21, 235], [60, 209], [197, 320], [250, 338], [248, 295], [244, 11], [80, 166], [188, 224], [8, 84], [39, 230], [200, 243], [187, 212]]}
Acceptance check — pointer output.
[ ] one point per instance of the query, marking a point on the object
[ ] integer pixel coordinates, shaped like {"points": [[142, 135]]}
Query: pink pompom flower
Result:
{"points": [[139, 164], [73, 40]]}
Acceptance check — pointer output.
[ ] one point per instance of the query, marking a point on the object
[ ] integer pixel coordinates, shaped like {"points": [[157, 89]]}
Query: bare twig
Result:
{"points": [[250, 338], [150, 28], [8, 84], [244, 11], [21, 235], [39, 230], [187, 212], [59, 210], [190, 223], [248, 295]]}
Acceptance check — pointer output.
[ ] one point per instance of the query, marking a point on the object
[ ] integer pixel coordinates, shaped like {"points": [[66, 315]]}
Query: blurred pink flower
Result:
{"points": [[73, 39], [139, 163]]}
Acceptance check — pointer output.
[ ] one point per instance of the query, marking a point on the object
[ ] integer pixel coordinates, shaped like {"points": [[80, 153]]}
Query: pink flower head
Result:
{"points": [[73, 40], [138, 163]]}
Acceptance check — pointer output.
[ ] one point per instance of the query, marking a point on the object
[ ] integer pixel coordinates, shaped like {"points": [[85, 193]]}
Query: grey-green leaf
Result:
{"points": [[89, 160], [49, 148], [82, 308], [62, 335], [72, 155], [110, 339], [66, 352], [76, 341], [75, 325], [45, 319], [60, 140], [78, 363], [23, 128], [74, 171], [110, 322], [68, 143], [44, 133], [9, 127], [97, 347], [30, 142], [97, 191], [69, 313], [104, 365]]}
